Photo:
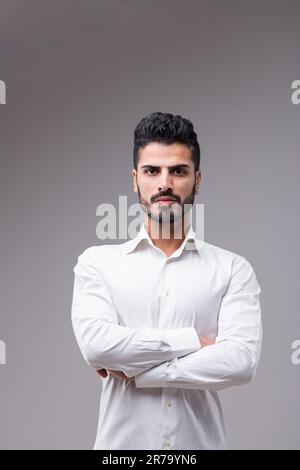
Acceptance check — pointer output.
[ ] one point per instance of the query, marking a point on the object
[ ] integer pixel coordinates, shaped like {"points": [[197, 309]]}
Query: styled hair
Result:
{"points": [[168, 129]]}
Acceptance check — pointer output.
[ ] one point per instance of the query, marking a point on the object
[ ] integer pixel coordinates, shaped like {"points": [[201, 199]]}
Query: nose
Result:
{"points": [[165, 181]]}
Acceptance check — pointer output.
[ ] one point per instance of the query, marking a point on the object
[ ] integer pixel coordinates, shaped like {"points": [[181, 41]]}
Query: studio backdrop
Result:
{"points": [[75, 78]]}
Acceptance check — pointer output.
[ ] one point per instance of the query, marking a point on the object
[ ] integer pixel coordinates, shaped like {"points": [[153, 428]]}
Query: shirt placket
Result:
{"points": [[169, 411]]}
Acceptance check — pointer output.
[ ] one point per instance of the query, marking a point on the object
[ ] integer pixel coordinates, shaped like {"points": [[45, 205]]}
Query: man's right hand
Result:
{"points": [[119, 374], [102, 372]]}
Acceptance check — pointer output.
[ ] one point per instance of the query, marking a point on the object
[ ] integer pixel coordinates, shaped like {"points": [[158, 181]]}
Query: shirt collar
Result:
{"points": [[191, 242]]}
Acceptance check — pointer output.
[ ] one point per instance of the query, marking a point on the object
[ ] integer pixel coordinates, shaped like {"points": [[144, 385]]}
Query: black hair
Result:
{"points": [[165, 128]]}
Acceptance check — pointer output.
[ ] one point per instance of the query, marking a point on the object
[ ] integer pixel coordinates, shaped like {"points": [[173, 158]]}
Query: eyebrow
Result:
{"points": [[180, 165]]}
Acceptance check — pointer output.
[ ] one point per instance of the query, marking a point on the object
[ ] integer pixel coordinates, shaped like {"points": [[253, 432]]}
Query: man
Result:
{"points": [[166, 321]]}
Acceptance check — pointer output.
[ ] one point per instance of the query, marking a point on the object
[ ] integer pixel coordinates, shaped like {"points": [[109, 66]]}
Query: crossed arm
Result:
{"points": [[151, 357], [204, 341]]}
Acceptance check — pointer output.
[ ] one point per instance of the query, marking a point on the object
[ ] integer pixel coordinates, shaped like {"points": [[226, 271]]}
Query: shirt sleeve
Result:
{"points": [[106, 344], [234, 357]]}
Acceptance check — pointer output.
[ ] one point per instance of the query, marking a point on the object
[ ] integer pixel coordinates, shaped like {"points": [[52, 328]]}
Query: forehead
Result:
{"points": [[159, 154]]}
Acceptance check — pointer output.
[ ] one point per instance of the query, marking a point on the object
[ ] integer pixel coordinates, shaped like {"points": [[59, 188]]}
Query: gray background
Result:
{"points": [[79, 76]]}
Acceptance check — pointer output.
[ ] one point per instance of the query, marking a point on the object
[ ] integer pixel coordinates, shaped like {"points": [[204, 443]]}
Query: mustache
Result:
{"points": [[153, 199]]}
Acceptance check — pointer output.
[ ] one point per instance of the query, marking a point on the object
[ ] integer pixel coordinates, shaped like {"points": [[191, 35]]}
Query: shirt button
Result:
{"points": [[169, 403], [167, 292]]}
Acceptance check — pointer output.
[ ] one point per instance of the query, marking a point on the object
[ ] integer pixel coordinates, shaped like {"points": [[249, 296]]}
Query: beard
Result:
{"points": [[166, 214]]}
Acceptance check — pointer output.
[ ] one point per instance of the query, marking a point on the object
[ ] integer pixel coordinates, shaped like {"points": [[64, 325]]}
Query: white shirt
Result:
{"points": [[139, 311]]}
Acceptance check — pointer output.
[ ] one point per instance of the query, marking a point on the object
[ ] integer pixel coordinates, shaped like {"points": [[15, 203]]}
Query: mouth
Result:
{"points": [[165, 200]]}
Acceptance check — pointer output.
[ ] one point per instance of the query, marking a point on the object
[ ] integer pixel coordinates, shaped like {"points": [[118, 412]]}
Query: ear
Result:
{"points": [[198, 179], [134, 178]]}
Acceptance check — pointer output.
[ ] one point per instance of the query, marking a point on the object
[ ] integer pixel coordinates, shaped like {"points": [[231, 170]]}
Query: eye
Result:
{"points": [[152, 171], [179, 172]]}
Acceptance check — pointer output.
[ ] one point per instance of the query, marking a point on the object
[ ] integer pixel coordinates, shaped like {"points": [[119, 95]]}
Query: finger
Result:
{"points": [[102, 372]]}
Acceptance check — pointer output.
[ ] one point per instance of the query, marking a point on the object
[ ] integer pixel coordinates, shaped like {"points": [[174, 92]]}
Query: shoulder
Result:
{"points": [[228, 261], [95, 255]]}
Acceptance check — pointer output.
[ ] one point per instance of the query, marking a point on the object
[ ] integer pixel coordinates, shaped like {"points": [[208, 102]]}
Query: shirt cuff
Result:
{"points": [[183, 340], [154, 377]]}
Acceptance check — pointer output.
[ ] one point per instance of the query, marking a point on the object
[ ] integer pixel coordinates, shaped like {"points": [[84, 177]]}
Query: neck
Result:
{"points": [[167, 237]]}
